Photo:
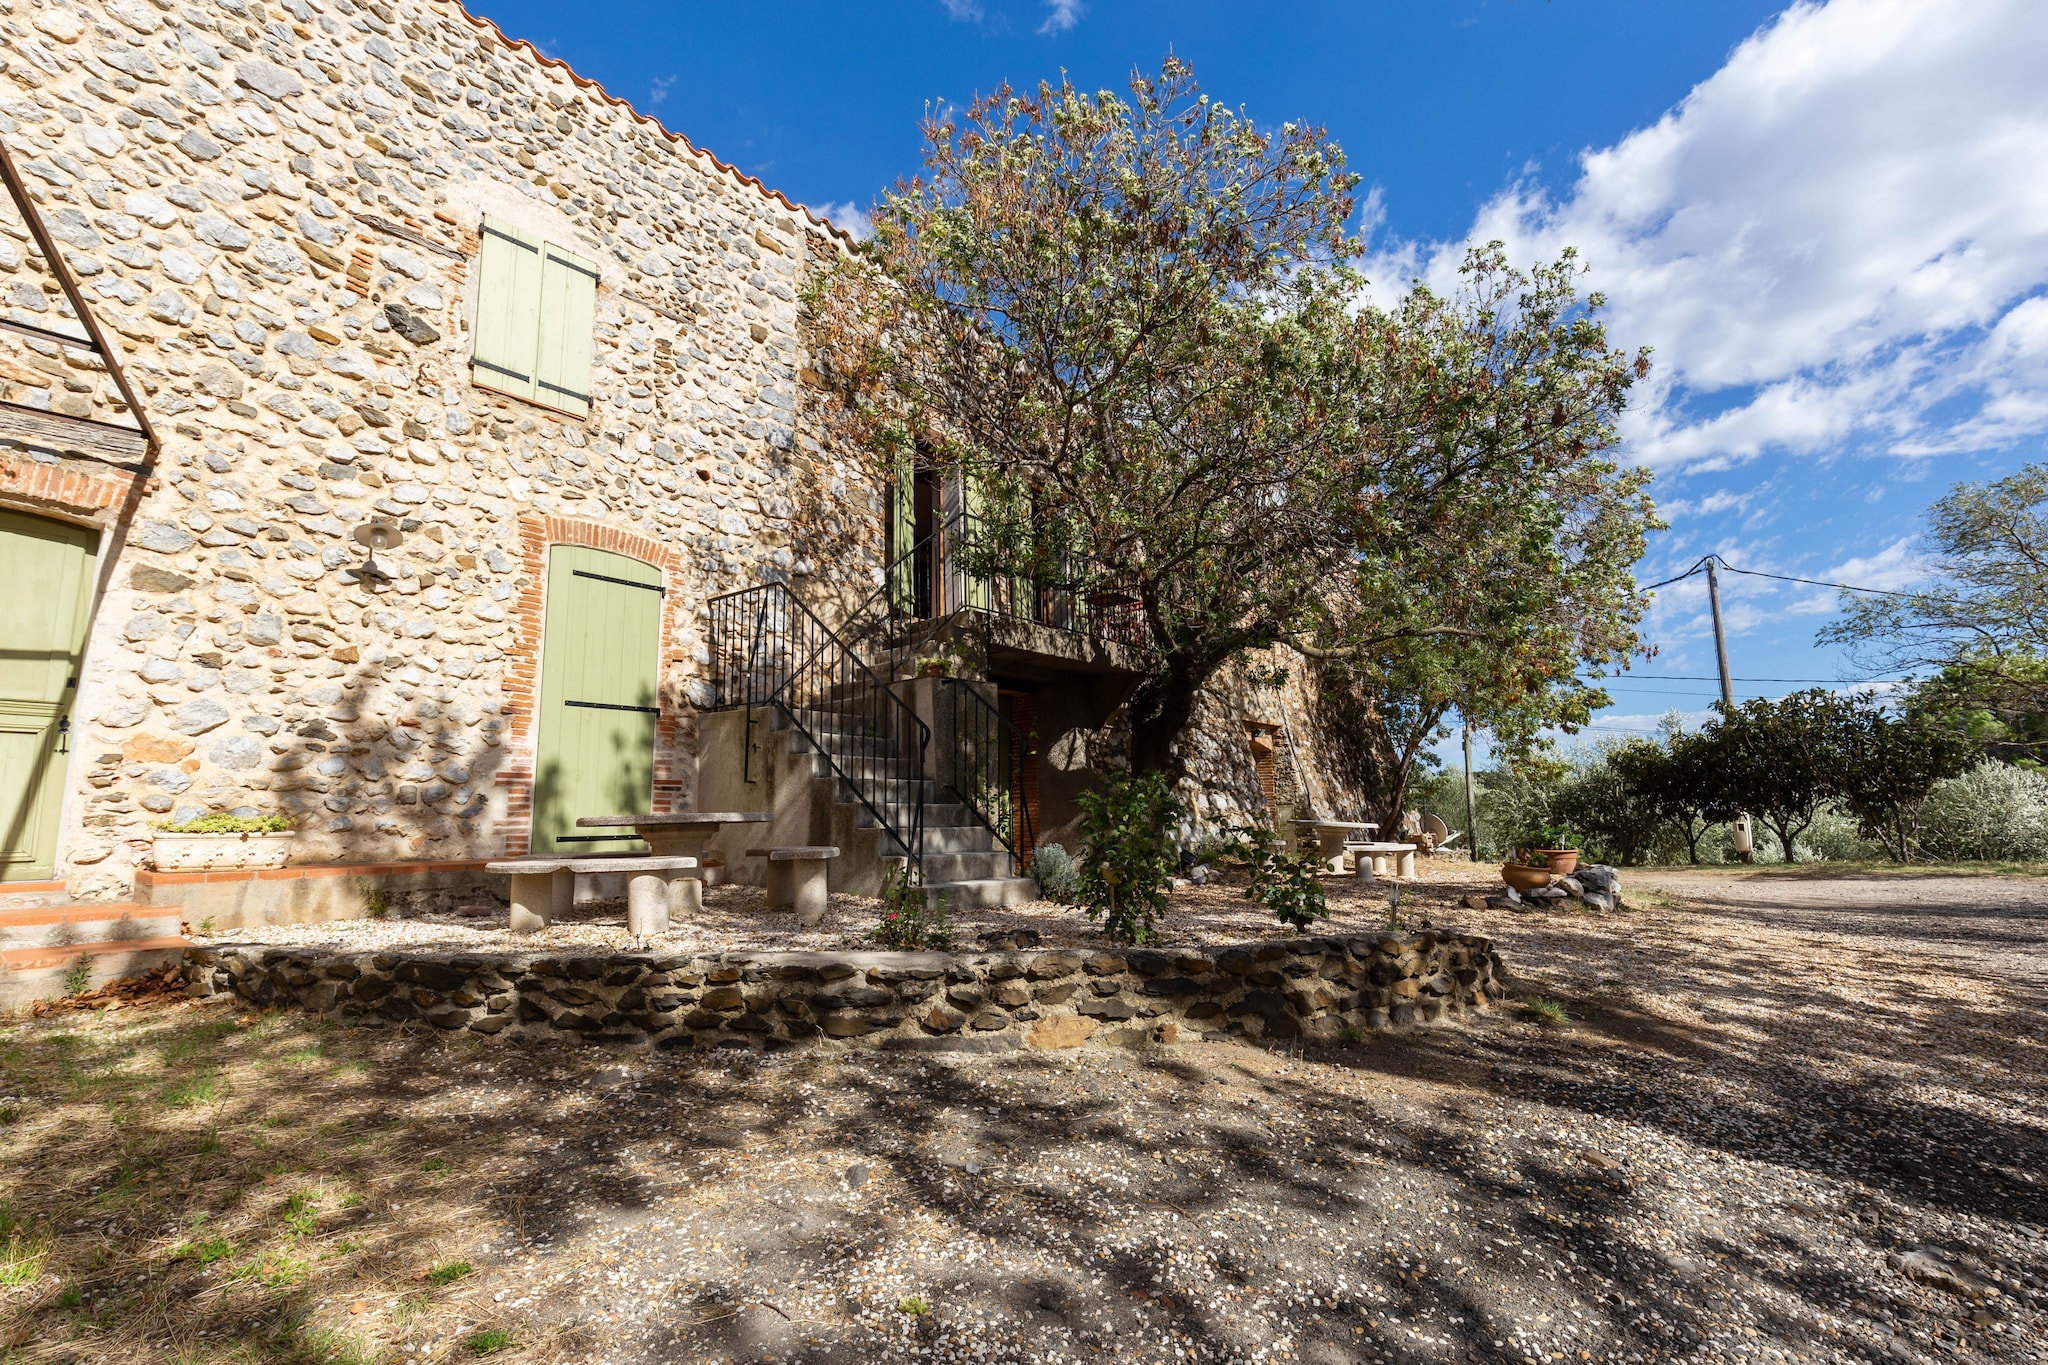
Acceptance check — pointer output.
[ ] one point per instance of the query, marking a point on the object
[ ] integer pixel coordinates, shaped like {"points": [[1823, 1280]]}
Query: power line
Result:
{"points": [[1687, 677], [1783, 578]]}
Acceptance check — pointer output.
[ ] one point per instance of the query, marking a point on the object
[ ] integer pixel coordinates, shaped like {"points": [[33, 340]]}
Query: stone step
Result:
{"points": [[951, 839], [937, 815], [64, 925], [979, 866], [31, 974], [982, 894], [18, 895]]}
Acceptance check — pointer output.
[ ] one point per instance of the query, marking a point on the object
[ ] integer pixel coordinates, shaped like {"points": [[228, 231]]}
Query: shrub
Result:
{"points": [[908, 921], [1835, 837], [1129, 854], [1288, 884], [228, 824], [1992, 811], [1057, 877]]}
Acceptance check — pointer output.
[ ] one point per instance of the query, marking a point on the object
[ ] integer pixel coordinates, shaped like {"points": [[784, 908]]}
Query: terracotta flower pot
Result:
{"points": [[1563, 861], [1524, 879]]}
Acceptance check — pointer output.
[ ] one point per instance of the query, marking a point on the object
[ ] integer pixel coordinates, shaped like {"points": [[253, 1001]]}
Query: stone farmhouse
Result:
{"points": [[364, 264]]}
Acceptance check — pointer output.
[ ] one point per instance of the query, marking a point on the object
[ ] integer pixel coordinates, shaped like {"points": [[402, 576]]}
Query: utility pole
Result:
{"points": [[1720, 636], [1471, 811]]}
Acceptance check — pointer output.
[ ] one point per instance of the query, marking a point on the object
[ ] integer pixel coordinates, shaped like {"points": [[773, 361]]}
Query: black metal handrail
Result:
{"points": [[769, 649], [985, 751]]}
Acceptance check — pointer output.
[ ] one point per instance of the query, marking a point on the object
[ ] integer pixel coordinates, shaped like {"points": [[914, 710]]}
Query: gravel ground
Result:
{"points": [[1791, 1119]]}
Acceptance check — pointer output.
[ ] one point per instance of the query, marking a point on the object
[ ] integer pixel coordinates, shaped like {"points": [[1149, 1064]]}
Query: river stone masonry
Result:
{"points": [[1312, 988], [275, 208]]}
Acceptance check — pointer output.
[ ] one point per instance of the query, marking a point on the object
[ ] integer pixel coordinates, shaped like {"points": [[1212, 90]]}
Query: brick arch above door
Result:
{"points": [[672, 763]]}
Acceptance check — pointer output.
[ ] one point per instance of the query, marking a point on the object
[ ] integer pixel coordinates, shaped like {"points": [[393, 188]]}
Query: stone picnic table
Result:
{"points": [[1331, 836], [680, 834]]}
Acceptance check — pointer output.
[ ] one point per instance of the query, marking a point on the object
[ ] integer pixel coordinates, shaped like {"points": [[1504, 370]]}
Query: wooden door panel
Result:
{"points": [[601, 637], [48, 569]]}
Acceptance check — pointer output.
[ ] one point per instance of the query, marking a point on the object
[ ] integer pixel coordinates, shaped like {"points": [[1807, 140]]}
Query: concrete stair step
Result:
{"points": [[20, 895], [31, 974], [936, 815], [982, 893], [984, 865], [79, 925]]}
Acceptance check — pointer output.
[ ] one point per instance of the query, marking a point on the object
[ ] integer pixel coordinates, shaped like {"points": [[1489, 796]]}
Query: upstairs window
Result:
{"points": [[536, 306]]}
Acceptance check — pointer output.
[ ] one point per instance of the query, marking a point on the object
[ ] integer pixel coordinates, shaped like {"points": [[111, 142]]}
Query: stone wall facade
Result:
{"points": [[275, 208], [996, 1000]]}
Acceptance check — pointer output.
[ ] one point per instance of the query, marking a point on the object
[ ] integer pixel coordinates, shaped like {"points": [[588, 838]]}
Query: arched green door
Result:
{"points": [[600, 654], [48, 569]]}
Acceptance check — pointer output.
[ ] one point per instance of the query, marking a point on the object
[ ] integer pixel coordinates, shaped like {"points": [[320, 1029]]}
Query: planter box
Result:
{"points": [[1524, 879], [1562, 861], [210, 852]]}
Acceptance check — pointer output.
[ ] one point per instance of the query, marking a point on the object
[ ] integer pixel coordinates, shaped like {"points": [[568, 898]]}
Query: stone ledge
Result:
{"points": [[1313, 988]]}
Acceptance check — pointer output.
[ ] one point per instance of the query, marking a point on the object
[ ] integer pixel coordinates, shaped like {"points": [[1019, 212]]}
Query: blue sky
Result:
{"points": [[1831, 222]]}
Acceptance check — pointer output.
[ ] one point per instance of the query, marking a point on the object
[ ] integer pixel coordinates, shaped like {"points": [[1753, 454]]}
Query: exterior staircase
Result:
{"points": [[44, 934], [964, 864]]}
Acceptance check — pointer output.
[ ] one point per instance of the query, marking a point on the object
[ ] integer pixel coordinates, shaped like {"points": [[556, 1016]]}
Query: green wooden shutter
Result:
{"points": [[974, 586], [568, 313], [902, 538], [600, 644], [506, 354], [48, 569]]}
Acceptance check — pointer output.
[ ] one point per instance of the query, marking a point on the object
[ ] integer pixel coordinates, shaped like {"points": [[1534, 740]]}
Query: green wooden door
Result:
{"points": [[600, 646], [48, 569]]}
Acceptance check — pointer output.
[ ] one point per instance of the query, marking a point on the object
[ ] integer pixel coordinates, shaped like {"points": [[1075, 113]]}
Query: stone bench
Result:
{"points": [[1370, 859], [796, 879], [544, 889]]}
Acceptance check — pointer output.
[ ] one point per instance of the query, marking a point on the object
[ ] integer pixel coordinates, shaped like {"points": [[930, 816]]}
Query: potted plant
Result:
{"points": [[1526, 871], [1560, 849], [944, 664], [216, 842]]}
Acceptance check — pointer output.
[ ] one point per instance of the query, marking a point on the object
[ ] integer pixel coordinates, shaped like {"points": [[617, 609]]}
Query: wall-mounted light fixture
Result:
{"points": [[374, 536]]}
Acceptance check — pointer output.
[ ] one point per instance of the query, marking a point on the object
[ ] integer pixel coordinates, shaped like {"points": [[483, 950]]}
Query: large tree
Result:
{"points": [[1132, 326], [1779, 760], [1980, 628], [1494, 541]]}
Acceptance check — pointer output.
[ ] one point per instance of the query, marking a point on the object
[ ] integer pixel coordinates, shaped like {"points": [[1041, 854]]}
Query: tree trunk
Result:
{"points": [[1160, 713]]}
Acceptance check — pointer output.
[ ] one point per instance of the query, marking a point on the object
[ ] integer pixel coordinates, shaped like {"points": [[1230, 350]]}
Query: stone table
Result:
{"points": [[680, 834], [1331, 836]]}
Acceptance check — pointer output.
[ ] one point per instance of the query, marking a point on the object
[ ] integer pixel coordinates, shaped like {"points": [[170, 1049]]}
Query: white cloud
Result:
{"points": [[848, 217], [658, 89], [1837, 241], [1060, 15], [963, 11], [1896, 566]]}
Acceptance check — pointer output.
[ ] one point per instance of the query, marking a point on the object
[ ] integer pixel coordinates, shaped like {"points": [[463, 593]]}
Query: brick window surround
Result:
{"points": [[64, 491], [514, 829]]}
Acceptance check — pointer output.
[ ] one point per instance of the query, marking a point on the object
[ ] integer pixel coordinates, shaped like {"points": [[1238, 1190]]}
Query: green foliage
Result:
{"points": [[1546, 1011], [228, 824], [1287, 883], [1059, 879], [909, 922], [1129, 853], [1979, 626], [24, 1248], [78, 976], [1993, 811], [192, 1092], [1134, 324], [912, 1305], [301, 1213], [448, 1272], [1888, 769], [488, 1340]]}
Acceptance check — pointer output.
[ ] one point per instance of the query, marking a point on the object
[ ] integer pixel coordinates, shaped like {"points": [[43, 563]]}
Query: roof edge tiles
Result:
{"points": [[824, 224]]}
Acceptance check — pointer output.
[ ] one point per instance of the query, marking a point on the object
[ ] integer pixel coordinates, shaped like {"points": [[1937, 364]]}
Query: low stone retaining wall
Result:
{"points": [[978, 1001]]}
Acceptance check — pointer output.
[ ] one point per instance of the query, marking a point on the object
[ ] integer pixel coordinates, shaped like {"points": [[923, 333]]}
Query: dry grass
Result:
{"points": [[197, 1184]]}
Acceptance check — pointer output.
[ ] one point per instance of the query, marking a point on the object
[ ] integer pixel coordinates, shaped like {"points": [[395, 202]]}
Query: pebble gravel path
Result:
{"points": [[1790, 1120]]}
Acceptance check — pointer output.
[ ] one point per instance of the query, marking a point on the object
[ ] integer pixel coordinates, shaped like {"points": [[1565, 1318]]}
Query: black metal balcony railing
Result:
{"points": [[768, 649], [937, 577]]}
